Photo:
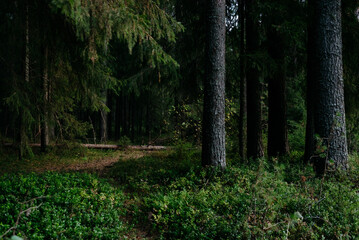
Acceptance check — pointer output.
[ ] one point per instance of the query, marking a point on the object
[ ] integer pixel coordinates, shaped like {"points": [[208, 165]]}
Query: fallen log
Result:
{"points": [[105, 146]]}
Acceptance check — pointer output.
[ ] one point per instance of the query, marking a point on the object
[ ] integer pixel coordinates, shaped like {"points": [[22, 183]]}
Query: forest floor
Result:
{"points": [[83, 160], [81, 193]]}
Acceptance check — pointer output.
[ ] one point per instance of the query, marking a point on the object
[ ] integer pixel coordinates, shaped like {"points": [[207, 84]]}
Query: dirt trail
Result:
{"points": [[96, 164]]}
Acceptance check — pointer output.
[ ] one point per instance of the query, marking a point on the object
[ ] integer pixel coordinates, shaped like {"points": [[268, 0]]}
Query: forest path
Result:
{"points": [[65, 160], [96, 164]]}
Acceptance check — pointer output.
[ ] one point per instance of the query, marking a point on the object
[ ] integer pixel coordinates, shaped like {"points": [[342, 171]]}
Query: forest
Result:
{"points": [[179, 119]]}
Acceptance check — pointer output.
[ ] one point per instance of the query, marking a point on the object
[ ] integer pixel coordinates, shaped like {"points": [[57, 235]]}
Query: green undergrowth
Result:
{"points": [[61, 206], [170, 196], [180, 200]]}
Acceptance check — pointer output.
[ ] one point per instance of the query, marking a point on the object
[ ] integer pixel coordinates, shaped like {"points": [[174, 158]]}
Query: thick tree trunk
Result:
{"points": [[277, 121], [243, 86], [254, 89], [213, 146], [329, 112]]}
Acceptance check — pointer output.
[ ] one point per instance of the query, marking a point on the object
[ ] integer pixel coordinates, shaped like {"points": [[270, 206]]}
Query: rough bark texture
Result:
{"points": [[243, 87], [254, 108], [277, 110], [329, 112], [213, 145]]}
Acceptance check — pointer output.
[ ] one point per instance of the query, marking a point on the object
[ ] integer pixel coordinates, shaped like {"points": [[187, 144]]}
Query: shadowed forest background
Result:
{"points": [[179, 119]]}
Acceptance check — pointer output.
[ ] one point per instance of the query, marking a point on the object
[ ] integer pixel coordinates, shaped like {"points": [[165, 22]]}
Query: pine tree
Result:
{"points": [[277, 109], [213, 145], [254, 88], [328, 85]]}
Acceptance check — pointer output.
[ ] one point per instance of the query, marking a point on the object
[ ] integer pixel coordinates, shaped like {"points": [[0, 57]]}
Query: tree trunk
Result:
{"points": [[103, 118], [329, 112], [277, 121], [126, 115], [118, 118], [254, 108], [26, 68], [243, 85], [309, 134], [213, 145], [148, 118], [45, 112], [109, 114]]}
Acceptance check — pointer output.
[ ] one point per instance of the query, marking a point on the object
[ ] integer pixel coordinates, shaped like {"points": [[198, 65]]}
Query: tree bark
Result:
{"points": [[45, 112], [243, 85], [126, 115], [309, 133], [133, 120], [118, 118], [329, 112], [103, 119], [254, 89], [109, 114], [26, 68], [277, 109], [213, 145]]}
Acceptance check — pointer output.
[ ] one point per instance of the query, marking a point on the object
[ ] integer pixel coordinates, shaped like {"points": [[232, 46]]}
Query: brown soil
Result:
{"points": [[99, 164]]}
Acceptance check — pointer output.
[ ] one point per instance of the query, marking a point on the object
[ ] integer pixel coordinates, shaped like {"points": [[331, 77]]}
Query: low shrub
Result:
{"points": [[65, 206], [259, 201]]}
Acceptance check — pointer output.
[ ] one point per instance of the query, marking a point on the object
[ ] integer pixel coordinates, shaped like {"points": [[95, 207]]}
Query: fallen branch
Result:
{"points": [[33, 199], [27, 211]]}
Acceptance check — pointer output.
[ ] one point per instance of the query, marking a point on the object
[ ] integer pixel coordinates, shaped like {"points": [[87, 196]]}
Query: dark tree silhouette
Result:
{"points": [[277, 109], [254, 89]]}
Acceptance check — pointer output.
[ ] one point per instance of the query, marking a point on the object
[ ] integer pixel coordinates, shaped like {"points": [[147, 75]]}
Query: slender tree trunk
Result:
{"points": [[140, 121], [243, 85], [27, 43], [103, 119], [109, 114], [22, 131], [254, 89], [213, 145], [118, 118], [277, 121], [328, 102], [127, 115], [133, 108], [123, 114], [45, 112], [148, 117], [309, 135]]}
